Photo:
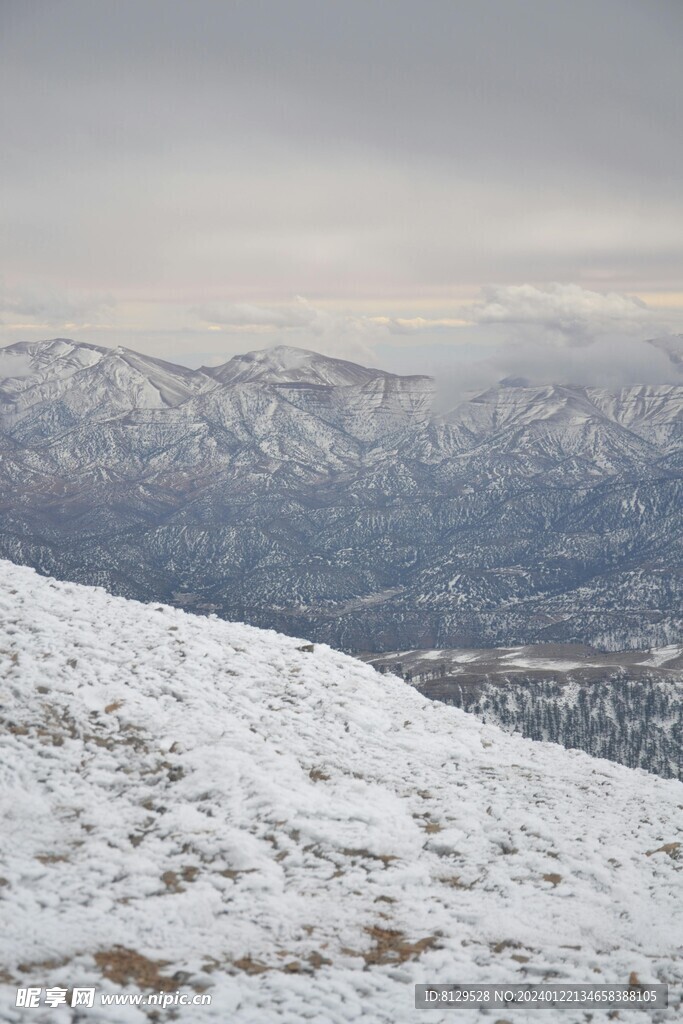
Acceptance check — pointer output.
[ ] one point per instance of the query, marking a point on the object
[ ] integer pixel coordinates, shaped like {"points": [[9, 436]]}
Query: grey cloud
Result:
{"points": [[312, 322], [510, 78], [566, 313], [229, 155], [610, 362], [52, 306], [242, 314], [302, 324], [672, 346]]}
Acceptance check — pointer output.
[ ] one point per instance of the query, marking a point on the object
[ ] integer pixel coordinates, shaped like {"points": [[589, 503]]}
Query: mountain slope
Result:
{"points": [[197, 804]]}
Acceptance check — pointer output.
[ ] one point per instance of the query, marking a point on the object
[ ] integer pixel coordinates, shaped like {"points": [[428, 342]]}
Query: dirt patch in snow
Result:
{"points": [[125, 966]]}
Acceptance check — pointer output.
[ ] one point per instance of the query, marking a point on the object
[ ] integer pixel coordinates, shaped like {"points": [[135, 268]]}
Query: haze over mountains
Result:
{"points": [[323, 498]]}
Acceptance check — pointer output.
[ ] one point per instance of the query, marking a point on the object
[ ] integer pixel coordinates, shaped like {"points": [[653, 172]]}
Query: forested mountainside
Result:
{"points": [[317, 496], [626, 707], [194, 805]]}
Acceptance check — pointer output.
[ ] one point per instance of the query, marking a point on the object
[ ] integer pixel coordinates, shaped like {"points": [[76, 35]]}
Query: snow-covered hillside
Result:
{"points": [[193, 803]]}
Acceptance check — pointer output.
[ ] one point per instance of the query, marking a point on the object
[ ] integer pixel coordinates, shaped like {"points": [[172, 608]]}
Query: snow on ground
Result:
{"points": [[544, 664], [189, 802], [663, 655]]}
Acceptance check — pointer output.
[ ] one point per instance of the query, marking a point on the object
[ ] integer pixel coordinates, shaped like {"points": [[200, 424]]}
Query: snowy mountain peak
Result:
{"points": [[61, 381], [197, 804], [56, 358], [284, 364]]}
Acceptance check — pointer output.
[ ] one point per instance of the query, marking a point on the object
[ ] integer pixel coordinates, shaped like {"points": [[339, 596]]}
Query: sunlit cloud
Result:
{"points": [[566, 313]]}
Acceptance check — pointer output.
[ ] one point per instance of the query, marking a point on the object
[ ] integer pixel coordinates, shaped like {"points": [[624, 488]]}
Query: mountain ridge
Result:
{"points": [[351, 511]]}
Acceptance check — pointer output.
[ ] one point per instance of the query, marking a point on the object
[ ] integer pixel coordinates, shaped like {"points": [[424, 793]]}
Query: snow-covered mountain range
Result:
{"points": [[313, 495], [192, 804]]}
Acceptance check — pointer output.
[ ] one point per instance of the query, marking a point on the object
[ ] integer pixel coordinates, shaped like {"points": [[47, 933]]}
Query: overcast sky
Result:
{"points": [[422, 184]]}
